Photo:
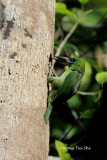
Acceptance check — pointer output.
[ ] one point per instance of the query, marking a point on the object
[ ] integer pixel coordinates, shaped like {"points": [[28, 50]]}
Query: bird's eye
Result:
{"points": [[74, 59]]}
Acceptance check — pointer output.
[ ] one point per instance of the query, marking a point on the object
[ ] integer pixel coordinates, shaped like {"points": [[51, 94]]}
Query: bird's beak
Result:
{"points": [[63, 60]]}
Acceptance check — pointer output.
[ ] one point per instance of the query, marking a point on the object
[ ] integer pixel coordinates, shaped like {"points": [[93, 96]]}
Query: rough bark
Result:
{"points": [[26, 41]]}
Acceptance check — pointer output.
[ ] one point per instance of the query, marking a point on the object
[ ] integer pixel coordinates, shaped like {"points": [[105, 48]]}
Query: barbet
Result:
{"points": [[67, 85]]}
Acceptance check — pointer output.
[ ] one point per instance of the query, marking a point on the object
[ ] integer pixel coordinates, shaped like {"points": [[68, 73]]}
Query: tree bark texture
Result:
{"points": [[26, 42]]}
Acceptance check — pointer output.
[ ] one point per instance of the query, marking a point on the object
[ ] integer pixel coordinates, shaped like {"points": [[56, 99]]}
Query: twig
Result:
{"points": [[53, 158], [87, 93], [65, 40]]}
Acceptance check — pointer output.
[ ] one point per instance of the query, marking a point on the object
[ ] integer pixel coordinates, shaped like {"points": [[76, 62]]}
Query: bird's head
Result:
{"points": [[75, 64]]}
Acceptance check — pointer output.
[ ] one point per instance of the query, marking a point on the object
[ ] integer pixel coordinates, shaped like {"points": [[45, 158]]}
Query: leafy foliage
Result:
{"points": [[87, 114], [81, 120], [61, 8]]}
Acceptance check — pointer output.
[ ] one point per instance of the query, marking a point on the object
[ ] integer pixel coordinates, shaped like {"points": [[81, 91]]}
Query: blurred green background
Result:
{"points": [[82, 120]]}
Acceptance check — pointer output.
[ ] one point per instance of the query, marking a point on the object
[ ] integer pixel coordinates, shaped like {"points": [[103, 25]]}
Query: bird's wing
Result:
{"points": [[67, 89]]}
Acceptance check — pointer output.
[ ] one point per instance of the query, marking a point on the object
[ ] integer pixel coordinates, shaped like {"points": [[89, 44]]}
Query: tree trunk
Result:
{"points": [[26, 41]]}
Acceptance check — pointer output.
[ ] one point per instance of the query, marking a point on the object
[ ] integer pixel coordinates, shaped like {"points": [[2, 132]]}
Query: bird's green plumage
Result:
{"points": [[79, 65], [65, 86]]}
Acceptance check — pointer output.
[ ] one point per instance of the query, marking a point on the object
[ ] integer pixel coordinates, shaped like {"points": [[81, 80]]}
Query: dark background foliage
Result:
{"points": [[81, 121]]}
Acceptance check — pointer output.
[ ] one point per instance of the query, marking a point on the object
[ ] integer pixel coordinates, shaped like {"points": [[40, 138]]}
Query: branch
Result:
{"points": [[53, 158], [65, 40], [87, 93]]}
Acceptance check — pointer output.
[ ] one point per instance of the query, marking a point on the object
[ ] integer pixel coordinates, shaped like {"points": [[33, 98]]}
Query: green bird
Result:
{"points": [[67, 85]]}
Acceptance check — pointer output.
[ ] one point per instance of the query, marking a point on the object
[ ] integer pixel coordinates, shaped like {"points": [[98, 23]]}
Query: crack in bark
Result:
{"points": [[27, 34], [23, 45], [2, 15], [5, 149], [12, 56], [8, 29]]}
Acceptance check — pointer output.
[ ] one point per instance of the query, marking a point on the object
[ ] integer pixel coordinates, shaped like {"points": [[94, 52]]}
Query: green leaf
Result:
{"points": [[56, 44], [61, 8], [67, 23], [101, 9], [88, 114], [88, 11], [75, 130], [62, 150], [90, 18], [83, 1], [75, 102], [101, 77], [72, 47], [99, 96]]}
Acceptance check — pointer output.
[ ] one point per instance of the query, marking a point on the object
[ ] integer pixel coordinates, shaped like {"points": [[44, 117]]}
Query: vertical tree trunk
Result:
{"points": [[26, 41]]}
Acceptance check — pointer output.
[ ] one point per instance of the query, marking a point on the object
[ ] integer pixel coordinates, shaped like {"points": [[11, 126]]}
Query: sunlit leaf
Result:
{"points": [[62, 150], [61, 8], [101, 77]]}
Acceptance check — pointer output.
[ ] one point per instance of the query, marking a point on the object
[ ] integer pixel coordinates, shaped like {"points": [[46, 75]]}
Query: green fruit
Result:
{"points": [[86, 80], [101, 77]]}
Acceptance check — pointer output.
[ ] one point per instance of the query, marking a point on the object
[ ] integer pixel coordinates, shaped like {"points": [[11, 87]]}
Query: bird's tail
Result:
{"points": [[48, 112]]}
